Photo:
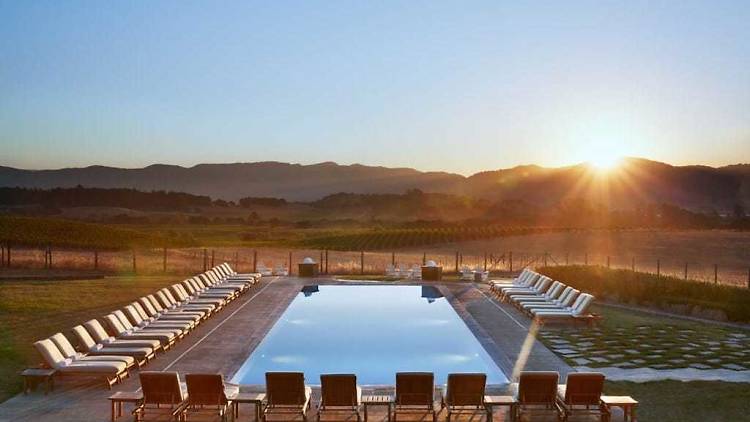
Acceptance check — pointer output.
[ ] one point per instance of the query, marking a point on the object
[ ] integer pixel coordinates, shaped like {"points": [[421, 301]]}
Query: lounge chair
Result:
{"points": [[142, 321], [554, 292], [465, 392], [581, 395], [147, 309], [142, 355], [531, 280], [416, 272], [171, 303], [287, 394], [263, 270], [230, 273], [544, 285], [339, 393], [280, 270], [466, 274], [113, 372], [483, 275], [161, 310], [565, 300], [524, 279], [415, 393], [536, 393], [188, 299], [69, 352], [100, 335], [207, 392], [130, 327], [166, 338], [579, 311], [163, 396]]}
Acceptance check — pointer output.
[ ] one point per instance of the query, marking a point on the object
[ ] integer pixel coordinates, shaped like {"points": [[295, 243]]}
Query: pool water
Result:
{"points": [[371, 331]]}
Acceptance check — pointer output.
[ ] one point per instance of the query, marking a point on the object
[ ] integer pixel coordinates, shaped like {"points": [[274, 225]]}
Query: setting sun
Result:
{"points": [[605, 162]]}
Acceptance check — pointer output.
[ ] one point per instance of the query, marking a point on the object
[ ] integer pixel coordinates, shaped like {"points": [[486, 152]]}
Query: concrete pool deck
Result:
{"points": [[216, 347]]}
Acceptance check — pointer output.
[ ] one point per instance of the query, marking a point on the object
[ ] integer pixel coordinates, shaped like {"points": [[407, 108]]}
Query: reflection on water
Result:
{"points": [[372, 331]]}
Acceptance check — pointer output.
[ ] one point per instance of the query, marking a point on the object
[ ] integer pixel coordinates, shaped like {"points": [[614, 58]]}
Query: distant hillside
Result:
{"points": [[638, 182]]}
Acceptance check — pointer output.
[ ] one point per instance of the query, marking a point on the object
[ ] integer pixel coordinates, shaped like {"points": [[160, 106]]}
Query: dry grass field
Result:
{"points": [[699, 249]]}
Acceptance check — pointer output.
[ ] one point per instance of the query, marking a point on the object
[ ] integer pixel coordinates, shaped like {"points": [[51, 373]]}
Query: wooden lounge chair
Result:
{"points": [[129, 327], [160, 311], [166, 338], [415, 393], [566, 300], [581, 395], [207, 393], [163, 396], [141, 320], [141, 354], [69, 352], [111, 371], [287, 394], [100, 335], [537, 393], [147, 311], [577, 312], [339, 393], [465, 392]]}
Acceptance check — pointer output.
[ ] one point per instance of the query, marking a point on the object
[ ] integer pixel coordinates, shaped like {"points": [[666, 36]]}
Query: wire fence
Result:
{"points": [[191, 260]]}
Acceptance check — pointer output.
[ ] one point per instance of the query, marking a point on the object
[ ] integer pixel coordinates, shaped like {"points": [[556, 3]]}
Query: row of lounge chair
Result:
{"points": [[543, 299], [278, 270], [145, 327], [287, 395]]}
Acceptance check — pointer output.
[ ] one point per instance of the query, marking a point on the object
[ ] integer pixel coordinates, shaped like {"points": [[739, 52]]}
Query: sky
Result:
{"points": [[458, 86]]}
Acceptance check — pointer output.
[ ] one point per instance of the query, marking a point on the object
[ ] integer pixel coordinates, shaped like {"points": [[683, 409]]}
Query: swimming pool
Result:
{"points": [[371, 331]]}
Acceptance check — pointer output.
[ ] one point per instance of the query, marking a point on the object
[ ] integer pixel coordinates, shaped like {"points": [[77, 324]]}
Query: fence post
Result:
{"points": [[586, 259], [134, 265], [49, 251], [255, 261], [607, 261], [632, 265], [686, 264], [96, 260], [2, 251], [748, 278], [46, 257], [326, 261], [164, 261], [566, 257], [716, 273], [424, 258], [290, 262], [205, 259], [658, 267], [236, 261], [393, 259], [362, 262], [510, 260], [456, 262], [485, 261], [213, 255]]}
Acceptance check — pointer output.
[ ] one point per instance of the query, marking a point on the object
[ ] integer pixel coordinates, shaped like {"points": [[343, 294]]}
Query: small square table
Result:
{"points": [[492, 401], [33, 376], [377, 400], [252, 398], [117, 399], [627, 403]]}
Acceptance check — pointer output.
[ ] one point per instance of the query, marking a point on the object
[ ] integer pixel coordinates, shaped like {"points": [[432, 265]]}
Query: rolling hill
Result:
{"points": [[638, 181]]}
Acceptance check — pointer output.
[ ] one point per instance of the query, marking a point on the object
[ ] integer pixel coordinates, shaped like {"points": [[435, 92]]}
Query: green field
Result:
{"points": [[32, 310]]}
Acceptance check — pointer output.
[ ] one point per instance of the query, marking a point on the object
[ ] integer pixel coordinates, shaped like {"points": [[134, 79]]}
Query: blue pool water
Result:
{"points": [[371, 331]]}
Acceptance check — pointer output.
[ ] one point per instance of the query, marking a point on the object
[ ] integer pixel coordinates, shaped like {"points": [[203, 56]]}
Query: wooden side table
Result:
{"points": [[377, 400], [491, 401], [121, 397], [627, 403], [33, 376], [252, 398]]}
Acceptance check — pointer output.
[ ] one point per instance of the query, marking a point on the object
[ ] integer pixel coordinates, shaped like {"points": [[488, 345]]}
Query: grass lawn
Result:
{"points": [[32, 310], [629, 339], [686, 401]]}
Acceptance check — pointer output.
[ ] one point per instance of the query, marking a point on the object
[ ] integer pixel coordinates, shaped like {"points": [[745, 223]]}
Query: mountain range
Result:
{"points": [[635, 181]]}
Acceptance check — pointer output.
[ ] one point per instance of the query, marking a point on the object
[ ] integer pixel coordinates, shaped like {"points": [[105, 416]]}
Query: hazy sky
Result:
{"points": [[458, 86]]}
